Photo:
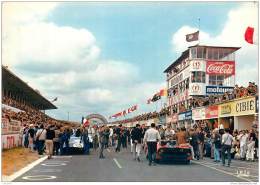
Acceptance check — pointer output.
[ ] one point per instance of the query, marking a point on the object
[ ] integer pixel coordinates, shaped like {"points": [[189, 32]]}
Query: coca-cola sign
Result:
{"points": [[220, 68]]}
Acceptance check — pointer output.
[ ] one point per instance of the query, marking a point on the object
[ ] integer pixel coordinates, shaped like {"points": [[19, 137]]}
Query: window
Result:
{"points": [[216, 80], [198, 77], [201, 52], [193, 52]]}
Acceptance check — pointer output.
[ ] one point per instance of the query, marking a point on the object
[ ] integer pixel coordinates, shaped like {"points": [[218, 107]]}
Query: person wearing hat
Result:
{"points": [[31, 136]]}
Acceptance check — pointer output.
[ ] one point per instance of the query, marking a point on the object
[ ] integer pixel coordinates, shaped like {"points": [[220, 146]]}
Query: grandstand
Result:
{"points": [[16, 89], [21, 106]]}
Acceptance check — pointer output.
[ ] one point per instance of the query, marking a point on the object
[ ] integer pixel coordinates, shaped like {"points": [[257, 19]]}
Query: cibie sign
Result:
{"points": [[220, 68], [245, 106]]}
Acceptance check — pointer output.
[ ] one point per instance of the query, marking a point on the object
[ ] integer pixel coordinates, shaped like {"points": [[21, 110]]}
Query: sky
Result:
{"points": [[104, 57]]}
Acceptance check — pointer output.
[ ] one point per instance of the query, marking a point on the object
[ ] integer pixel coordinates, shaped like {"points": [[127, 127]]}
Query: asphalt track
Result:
{"points": [[122, 167]]}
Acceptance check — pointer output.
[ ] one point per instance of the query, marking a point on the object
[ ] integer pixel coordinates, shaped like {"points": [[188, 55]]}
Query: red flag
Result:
{"points": [[192, 37], [249, 35], [85, 123], [132, 109]]}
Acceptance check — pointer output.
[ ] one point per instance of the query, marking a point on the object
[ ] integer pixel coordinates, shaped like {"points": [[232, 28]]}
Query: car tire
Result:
{"points": [[187, 162]]}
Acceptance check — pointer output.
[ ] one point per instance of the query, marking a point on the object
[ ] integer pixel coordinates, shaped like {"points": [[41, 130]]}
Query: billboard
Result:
{"points": [[218, 89], [220, 68]]}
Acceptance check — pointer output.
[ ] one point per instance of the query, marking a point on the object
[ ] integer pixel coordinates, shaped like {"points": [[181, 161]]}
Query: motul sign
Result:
{"points": [[220, 68]]}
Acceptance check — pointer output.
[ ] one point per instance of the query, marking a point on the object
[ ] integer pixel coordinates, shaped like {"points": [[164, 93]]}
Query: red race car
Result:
{"points": [[169, 151]]}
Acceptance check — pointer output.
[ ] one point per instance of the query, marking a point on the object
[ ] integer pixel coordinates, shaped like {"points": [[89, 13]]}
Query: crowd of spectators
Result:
{"points": [[238, 92], [28, 115], [146, 116]]}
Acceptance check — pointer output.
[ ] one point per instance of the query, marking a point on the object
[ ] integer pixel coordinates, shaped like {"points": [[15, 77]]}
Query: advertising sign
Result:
{"points": [[11, 140], [198, 114], [212, 112], [180, 77], [226, 109], [218, 89], [245, 106], [220, 68], [185, 116], [198, 65], [14, 126], [197, 89]]}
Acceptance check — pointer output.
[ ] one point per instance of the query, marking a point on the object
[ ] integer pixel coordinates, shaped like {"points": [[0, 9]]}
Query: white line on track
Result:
{"points": [[108, 150], [117, 163], [219, 164], [222, 171]]}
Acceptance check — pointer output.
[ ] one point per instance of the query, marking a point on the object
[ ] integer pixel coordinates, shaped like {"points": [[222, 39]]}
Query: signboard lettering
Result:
{"points": [[218, 89], [220, 68]]}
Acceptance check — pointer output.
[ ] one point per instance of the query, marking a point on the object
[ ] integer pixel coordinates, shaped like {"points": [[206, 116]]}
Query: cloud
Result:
{"points": [[64, 62], [232, 34]]}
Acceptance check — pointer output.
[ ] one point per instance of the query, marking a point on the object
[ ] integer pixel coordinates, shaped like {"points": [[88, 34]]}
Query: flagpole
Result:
{"points": [[199, 31]]}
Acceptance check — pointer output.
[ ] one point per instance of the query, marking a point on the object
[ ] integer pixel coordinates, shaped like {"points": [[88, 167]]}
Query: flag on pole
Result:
{"points": [[249, 35], [163, 92], [192, 37], [85, 122], [156, 97]]}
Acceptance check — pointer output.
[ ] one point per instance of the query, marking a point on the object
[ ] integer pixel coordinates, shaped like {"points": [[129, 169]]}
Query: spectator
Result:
{"points": [[50, 135], [31, 136], [41, 137], [251, 146]]}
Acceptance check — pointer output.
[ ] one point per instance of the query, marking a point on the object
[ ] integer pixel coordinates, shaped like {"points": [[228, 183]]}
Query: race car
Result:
{"points": [[168, 150], [76, 145]]}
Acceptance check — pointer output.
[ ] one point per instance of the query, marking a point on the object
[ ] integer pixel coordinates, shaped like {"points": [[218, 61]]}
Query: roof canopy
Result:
{"points": [[13, 84]]}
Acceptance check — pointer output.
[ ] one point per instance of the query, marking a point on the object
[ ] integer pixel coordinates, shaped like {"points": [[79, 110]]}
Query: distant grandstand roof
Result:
{"points": [[13, 84]]}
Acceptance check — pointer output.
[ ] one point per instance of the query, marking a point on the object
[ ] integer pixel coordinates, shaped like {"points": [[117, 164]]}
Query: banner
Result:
{"points": [[197, 89], [220, 68], [245, 106], [212, 112], [180, 77], [185, 116], [197, 65], [11, 140], [218, 89], [226, 109], [199, 114]]}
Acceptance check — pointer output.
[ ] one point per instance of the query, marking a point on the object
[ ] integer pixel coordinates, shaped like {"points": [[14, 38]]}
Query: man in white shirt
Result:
{"points": [[243, 138], [151, 137], [111, 136], [227, 140]]}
